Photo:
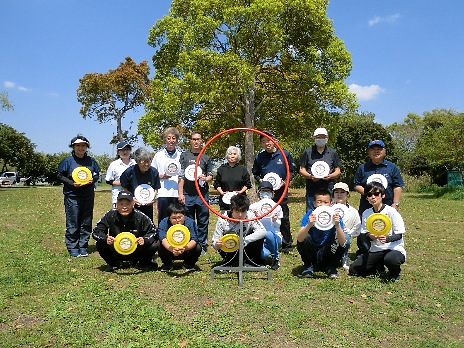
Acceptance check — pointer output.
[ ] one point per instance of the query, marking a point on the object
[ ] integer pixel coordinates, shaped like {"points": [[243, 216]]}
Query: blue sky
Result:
{"points": [[407, 57]]}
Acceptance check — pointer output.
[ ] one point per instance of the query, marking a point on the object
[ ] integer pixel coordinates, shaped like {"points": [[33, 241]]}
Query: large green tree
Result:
{"points": [[108, 97], [266, 64], [15, 148], [431, 144]]}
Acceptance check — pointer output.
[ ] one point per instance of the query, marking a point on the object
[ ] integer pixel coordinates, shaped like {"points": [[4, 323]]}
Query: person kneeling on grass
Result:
{"points": [[168, 253], [253, 233], [124, 218], [271, 223], [387, 250], [317, 248]]}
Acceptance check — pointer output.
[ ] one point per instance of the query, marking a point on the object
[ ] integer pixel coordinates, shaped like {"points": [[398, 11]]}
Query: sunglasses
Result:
{"points": [[376, 194]]}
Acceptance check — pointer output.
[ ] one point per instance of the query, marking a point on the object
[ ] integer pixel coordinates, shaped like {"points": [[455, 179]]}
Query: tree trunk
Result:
{"points": [[249, 116]]}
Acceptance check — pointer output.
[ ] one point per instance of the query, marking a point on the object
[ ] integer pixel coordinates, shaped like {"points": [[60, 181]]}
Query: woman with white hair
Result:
{"points": [[141, 173], [231, 176]]}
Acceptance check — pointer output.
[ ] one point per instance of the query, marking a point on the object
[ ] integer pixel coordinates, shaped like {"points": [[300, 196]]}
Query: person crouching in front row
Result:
{"points": [[386, 250], [124, 218], [176, 214], [253, 233], [318, 248]]}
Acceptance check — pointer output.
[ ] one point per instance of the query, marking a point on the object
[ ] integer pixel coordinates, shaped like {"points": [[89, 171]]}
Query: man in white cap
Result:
{"points": [[319, 152]]}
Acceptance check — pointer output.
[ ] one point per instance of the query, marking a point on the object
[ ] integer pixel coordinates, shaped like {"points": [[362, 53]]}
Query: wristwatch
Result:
{"points": [[396, 203]]}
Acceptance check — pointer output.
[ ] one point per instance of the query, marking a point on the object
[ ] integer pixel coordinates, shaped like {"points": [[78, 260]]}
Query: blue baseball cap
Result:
{"points": [[376, 142]]}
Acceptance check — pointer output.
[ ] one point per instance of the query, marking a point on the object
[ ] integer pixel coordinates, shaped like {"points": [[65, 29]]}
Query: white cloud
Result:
{"points": [[9, 84], [389, 19], [364, 93]]}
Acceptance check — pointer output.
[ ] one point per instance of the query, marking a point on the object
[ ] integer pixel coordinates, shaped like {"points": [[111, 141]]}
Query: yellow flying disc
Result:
{"points": [[378, 224], [81, 175], [230, 241], [125, 243], [178, 236]]}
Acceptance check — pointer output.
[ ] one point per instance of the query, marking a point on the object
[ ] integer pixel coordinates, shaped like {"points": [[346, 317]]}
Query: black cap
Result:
{"points": [[125, 195], [265, 185]]}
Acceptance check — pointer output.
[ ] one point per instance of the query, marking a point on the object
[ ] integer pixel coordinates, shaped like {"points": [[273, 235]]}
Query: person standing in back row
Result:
{"points": [[188, 195], [319, 152], [168, 192], [117, 167], [271, 161]]}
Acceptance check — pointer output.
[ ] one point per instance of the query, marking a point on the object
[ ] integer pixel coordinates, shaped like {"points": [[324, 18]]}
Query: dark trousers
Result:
{"points": [[364, 243], [190, 257], [251, 252], [197, 210], [162, 205], [146, 209], [369, 263], [287, 239], [326, 256], [79, 213], [143, 253]]}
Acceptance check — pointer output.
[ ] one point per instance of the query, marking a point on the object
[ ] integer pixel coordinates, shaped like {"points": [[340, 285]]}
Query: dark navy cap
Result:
{"points": [[123, 144], [265, 185]]}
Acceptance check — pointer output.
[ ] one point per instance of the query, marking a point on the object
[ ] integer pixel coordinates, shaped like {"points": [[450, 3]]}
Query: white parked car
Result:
{"points": [[11, 176]]}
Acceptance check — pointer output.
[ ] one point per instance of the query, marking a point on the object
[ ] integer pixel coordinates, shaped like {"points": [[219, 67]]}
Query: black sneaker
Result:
{"points": [[110, 268], [395, 279], [307, 272], [275, 264], [332, 273], [166, 267], [188, 268], [287, 248], [145, 267]]}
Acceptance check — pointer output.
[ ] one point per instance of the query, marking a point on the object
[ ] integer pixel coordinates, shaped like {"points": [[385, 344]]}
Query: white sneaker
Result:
{"points": [[346, 262]]}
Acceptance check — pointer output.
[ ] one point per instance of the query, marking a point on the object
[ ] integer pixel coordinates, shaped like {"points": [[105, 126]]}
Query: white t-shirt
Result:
{"points": [[352, 221], [397, 228], [114, 172], [268, 223], [169, 187]]}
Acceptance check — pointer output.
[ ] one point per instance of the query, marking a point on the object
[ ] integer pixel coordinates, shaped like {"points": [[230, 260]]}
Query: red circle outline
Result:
{"points": [[287, 181]]}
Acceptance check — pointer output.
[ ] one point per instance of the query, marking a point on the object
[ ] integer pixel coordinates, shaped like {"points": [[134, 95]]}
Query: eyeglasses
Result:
{"points": [[145, 162], [195, 139], [370, 194]]}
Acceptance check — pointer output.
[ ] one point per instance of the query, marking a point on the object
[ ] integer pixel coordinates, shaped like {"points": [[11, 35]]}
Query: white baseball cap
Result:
{"points": [[343, 186], [322, 131]]}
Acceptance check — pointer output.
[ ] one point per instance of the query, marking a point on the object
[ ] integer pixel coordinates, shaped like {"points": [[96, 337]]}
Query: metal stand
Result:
{"points": [[241, 265]]}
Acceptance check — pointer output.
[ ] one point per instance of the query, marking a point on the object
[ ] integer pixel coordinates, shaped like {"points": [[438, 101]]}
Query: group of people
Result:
{"points": [[178, 202]]}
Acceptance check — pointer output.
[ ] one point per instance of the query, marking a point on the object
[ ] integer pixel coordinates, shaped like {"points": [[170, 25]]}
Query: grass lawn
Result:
{"points": [[50, 300]]}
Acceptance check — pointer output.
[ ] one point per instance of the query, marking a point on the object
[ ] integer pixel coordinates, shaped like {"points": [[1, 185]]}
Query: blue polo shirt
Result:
{"points": [[318, 237], [388, 169], [189, 223], [274, 162]]}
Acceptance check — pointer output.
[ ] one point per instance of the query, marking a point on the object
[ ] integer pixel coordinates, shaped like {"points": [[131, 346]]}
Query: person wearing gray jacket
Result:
{"points": [[253, 233]]}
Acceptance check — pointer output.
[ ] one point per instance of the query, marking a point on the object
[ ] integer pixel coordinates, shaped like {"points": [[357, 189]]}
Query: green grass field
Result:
{"points": [[50, 300]]}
